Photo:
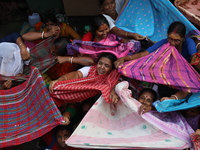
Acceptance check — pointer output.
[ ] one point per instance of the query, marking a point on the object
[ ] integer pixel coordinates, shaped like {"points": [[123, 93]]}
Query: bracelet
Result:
{"points": [[126, 34], [38, 145], [43, 35], [197, 45], [130, 56], [20, 44], [71, 59], [176, 97], [65, 77]]}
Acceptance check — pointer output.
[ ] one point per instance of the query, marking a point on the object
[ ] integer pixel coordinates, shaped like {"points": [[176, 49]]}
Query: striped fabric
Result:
{"points": [[120, 126], [78, 90], [164, 66], [26, 111], [94, 49], [41, 56]]}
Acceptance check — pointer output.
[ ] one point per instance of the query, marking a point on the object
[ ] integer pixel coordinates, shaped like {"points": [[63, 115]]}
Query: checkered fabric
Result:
{"points": [[26, 111]]}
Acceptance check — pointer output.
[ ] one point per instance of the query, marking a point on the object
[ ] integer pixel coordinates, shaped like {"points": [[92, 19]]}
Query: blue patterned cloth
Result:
{"points": [[191, 101], [152, 18]]}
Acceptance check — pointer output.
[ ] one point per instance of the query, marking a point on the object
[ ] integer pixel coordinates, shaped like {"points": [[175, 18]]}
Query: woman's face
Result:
{"points": [[104, 66], [108, 7], [61, 136], [175, 39], [146, 98], [49, 24], [102, 32]]}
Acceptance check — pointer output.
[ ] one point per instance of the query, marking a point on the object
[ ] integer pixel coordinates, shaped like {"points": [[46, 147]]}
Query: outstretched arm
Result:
{"points": [[83, 60], [177, 95], [68, 76], [121, 60], [32, 36], [125, 34]]}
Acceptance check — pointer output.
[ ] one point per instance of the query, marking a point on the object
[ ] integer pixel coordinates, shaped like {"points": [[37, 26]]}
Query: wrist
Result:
{"points": [[174, 96]]}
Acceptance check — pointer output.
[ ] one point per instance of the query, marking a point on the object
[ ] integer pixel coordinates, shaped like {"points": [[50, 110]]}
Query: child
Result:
{"points": [[55, 139]]}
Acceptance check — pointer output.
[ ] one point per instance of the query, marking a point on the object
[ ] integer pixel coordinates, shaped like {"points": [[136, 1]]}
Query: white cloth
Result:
{"points": [[119, 5], [110, 21], [11, 62], [85, 71]]}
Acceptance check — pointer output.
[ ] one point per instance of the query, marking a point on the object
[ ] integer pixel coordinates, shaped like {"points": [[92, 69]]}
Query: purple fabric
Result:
{"points": [[164, 66], [106, 45], [172, 122]]}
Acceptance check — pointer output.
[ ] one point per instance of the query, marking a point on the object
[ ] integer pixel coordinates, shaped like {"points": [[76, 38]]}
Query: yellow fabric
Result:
{"points": [[66, 30]]}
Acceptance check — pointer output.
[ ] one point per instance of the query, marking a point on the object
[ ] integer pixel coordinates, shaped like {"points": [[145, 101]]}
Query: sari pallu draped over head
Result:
{"points": [[164, 66], [78, 90]]}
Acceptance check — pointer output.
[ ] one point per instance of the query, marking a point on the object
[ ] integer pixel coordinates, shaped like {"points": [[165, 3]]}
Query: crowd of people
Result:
{"points": [[76, 88]]}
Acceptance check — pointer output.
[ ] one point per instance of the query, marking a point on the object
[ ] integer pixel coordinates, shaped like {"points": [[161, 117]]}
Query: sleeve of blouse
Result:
{"points": [[155, 46], [191, 46], [110, 21], [11, 37], [85, 71]]}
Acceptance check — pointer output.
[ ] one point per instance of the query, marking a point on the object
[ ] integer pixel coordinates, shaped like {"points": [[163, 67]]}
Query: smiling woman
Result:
{"points": [[87, 82]]}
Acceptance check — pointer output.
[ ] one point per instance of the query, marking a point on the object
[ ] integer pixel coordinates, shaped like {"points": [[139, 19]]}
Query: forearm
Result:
{"points": [[31, 36], [118, 32], [179, 95], [71, 75], [138, 55]]}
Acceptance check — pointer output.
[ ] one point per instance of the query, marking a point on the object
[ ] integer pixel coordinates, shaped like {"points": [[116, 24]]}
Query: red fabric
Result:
{"points": [[47, 138], [60, 69], [78, 90], [88, 37], [196, 141]]}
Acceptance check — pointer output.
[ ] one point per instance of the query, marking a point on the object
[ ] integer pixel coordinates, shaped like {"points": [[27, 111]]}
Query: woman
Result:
{"points": [[107, 8], [103, 71], [146, 97], [87, 82], [14, 54], [176, 37], [66, 63], [97, 41], [53, 28]]}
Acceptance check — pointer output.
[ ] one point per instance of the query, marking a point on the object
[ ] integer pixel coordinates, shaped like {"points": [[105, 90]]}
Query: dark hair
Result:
{"points": [[101, 2], [50, 18], [177, 27], [60, 44], [150, 91], [110, 56], [63, 127], [97, 21]]}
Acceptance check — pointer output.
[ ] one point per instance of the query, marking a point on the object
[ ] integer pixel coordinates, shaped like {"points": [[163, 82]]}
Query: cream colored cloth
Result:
{"points": [[11, 62]]}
